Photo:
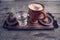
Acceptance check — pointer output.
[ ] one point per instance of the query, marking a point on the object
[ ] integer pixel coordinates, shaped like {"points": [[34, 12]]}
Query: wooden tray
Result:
{"points": [[32, 26]]}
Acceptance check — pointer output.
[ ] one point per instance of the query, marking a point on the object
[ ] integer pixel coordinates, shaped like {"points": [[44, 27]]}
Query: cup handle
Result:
{"points": [[45, 14]]}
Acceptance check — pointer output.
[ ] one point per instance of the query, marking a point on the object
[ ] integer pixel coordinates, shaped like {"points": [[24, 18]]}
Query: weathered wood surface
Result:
{"points": [[51, 6]]}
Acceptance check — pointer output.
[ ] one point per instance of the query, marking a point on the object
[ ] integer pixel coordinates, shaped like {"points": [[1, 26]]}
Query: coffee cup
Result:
{"points": [[35, 11]]}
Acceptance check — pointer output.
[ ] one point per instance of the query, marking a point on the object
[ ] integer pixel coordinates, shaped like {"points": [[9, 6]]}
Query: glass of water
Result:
{"points": [[21, 17]]}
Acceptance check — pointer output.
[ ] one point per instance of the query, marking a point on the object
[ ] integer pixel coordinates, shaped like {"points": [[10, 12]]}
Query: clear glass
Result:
{"points": [[21, 17]]}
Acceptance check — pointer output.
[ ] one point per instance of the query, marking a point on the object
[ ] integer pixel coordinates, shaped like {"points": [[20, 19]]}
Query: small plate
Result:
{"points": [[50, 21]]}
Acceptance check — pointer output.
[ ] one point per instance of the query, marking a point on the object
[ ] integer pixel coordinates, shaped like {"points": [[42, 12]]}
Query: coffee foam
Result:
{"points": [[36, 7]]}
